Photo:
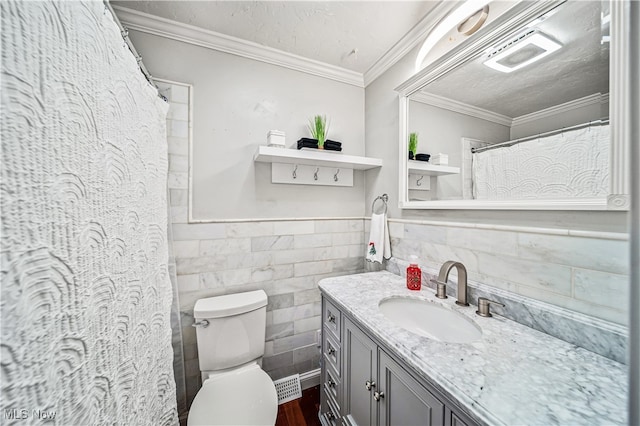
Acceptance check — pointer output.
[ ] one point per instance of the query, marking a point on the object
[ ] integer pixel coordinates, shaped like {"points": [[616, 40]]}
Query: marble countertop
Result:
{"points": [[512, 375]]}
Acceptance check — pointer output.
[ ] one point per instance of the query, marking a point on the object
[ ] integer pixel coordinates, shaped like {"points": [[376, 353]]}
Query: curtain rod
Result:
{"points": [[125, 35], [601, 122]]}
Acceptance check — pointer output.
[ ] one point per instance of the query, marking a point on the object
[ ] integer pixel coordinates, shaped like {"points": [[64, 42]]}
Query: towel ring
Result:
{"points": [[384, 198]]}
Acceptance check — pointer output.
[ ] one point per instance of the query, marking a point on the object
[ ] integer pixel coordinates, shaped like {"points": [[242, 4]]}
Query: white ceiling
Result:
{"points": [[348, 34]]}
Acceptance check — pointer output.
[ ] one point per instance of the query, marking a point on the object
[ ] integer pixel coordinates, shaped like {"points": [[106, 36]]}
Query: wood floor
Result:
{"points": [[302, 411]]}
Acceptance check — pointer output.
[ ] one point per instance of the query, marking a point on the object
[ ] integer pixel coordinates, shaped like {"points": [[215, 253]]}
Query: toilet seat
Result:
{"points": [[244, 397]]}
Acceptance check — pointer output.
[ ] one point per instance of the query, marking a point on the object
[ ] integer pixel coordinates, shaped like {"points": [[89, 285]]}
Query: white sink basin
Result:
{"points": [[429, 320]]}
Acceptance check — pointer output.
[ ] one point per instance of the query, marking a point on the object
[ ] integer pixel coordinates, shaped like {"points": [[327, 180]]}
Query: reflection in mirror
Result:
{"points": [[526, 119]]}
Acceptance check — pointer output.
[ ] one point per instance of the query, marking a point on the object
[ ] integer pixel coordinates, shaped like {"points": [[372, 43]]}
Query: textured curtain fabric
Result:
{"points": [[86, 295], [573, 164]]}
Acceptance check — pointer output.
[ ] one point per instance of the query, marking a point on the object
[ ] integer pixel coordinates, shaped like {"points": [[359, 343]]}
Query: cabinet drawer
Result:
{"points": [[331, 351], [332, 319], [331, 385], [329, 413]]}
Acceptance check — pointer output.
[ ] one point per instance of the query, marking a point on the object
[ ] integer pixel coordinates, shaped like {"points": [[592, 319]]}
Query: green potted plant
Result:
{"points": [[319, 129], [413, 145]]}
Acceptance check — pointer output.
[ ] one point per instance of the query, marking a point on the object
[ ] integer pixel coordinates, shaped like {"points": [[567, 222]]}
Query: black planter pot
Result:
{"points": [[410, 155]]}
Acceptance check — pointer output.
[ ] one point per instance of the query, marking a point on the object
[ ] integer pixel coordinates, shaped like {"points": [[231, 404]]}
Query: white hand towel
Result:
{"points": [[379, 246]]}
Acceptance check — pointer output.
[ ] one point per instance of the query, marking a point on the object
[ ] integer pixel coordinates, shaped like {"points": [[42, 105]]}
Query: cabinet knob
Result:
{"points": [[331, 383], [331, 351], [331, 318], [369, 384], [378, 395]]}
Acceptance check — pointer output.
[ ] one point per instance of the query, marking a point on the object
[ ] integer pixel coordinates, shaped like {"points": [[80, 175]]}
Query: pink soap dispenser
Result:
{"points": [[414, 275]]}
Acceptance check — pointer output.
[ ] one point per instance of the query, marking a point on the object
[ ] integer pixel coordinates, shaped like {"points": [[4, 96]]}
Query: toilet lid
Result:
{"points": [[247, 397]]}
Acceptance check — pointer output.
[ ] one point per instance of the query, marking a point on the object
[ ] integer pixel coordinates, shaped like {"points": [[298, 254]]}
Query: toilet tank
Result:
{"points": [[235, 334]]}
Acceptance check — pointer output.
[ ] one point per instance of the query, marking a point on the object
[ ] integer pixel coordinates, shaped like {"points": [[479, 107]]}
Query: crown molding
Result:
{"points": [[162, 27], [596, 98], [408, 42], [462, 108]]}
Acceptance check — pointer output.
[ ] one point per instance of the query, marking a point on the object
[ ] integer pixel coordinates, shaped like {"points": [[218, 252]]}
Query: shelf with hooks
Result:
{"points": [[327, 168], [321, 158], [424, 168]]}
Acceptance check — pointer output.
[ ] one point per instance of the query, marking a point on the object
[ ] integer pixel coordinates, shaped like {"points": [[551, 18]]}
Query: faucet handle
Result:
{"points": [[483, 306], [441, 289]]}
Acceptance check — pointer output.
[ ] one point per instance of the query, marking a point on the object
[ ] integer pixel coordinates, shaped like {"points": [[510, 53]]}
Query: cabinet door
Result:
{"points": [[405, 401], [359, 355]]}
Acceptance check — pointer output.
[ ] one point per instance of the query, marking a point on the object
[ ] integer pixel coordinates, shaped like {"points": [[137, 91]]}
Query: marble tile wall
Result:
{"points": [[585, 273], [285, 258], [570, 284]]}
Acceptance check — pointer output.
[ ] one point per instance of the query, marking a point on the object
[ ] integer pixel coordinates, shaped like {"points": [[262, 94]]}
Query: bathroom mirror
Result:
{"points": [[524, 113]]}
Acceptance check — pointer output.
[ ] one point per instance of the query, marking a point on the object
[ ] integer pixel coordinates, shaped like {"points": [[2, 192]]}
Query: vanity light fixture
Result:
{"points": [[462, 13], [523, 50]]}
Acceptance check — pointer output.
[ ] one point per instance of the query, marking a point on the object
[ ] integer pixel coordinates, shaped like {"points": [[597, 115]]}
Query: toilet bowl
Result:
{"points": [[230, 333], [241, 397]]}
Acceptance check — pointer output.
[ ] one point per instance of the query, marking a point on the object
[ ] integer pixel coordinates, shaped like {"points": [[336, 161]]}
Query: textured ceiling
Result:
{"points": [[348, 34], [579, 69]]}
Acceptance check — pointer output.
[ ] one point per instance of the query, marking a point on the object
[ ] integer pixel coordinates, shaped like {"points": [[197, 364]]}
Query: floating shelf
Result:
{"points": [[424, 168], [321, 158]]}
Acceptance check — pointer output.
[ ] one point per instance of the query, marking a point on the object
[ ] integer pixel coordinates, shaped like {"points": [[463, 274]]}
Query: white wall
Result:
{"points": [[236, 101], [566, 118]]}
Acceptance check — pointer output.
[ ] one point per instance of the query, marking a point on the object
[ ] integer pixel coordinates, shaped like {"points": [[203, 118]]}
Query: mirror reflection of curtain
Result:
{"points": [[572, 164], [466, 171]]}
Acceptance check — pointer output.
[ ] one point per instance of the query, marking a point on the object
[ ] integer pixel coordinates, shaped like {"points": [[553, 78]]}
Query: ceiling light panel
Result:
{"points": [[526, 51]]}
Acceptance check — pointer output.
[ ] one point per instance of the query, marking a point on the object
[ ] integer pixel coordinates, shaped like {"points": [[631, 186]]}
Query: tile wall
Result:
{"points": [[586, 272], [284, 258]]}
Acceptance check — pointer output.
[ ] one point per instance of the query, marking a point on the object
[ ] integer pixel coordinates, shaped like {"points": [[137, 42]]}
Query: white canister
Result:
{"points": [[440, 159], [276, 138]]}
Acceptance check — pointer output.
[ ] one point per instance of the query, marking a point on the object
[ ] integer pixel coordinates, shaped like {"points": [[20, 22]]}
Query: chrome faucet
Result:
{"points": [[443, 276]]}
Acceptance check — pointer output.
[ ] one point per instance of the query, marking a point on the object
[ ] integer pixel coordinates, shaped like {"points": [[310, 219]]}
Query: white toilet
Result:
{"points": [[230, 331]]}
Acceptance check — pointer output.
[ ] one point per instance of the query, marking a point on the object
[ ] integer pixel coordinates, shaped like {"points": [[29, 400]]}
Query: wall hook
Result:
{"points": [[335, 177], [418, 183], [294, 172], [315, 174]]}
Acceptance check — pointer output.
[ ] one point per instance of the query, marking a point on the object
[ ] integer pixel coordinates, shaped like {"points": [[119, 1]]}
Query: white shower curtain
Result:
{"points": [[86, 296], [573, 164]]}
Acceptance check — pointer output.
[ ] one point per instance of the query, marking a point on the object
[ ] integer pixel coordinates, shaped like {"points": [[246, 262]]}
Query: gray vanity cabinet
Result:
{"points": [[377, 391], [405, 401], [363, 385], [360, 365]]}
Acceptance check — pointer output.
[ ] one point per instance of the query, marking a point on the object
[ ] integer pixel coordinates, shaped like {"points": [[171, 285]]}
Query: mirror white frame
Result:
{"points": [[620, 45]]}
